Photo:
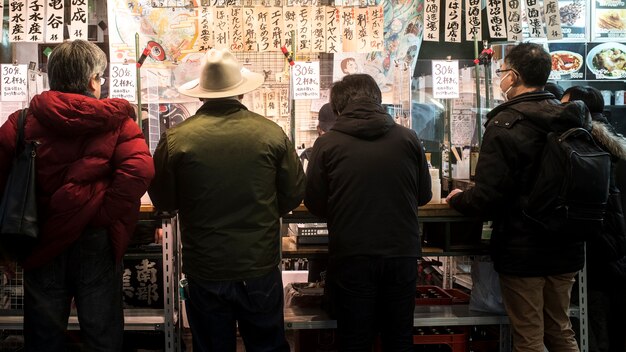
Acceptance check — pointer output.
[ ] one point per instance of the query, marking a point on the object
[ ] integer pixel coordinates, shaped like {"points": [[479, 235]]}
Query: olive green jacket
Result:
{"points": [[231, 174]]}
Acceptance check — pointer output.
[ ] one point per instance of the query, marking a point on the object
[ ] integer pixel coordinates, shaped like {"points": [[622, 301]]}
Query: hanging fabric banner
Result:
{"points": [[473, 26], [17, 21], [36, 21], [453, 21], [514, 20], [431, 20], [552, 19], [495, 19], [533, 14], [55, 17], [78, 20]]}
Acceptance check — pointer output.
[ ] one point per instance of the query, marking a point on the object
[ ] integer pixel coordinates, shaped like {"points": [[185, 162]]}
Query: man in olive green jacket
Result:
{"points": [[231, 174]]}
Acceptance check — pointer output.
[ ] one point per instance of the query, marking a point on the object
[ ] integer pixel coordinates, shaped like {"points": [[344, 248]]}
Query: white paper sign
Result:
{"points": [[552, 19], [55, 17], [14, 83], [533, 14], [305, 78], [78, 18], [495, 19], [123, 82], [473, 26], [431, 20], [453, 21], [445, 79], [514, 20]]}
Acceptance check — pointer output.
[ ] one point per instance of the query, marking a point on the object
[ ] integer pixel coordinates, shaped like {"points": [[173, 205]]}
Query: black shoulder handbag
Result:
{"points": [[18, 208]]}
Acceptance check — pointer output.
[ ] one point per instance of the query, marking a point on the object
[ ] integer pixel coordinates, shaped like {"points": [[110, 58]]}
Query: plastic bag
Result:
{"points": [[486, 295]]}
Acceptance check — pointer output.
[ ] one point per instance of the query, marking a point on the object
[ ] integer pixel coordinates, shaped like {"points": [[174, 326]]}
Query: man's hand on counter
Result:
{"points": [[452, 193]]}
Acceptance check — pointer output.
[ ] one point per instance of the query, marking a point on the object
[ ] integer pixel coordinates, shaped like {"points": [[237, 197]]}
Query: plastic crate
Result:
{"points": [[455, 338], [431, 295], [458, 296]]}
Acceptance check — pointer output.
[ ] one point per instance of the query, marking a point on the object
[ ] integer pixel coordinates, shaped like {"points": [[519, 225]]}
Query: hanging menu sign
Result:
{"points": [[306, 80], [14, 84], [513, 20], [495, 19], [552, 18], [473, 26], [17, 21], [431, 20], [34, 29], [610, 20], [55, 17], [573, 18], [453, 21], [78, 17], [445, 79], [533, 14], [123, 82]]}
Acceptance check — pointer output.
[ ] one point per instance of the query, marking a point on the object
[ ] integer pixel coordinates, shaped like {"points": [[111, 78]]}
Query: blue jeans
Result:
{"points": [[216, 308], [371, 295], [88, 273]]}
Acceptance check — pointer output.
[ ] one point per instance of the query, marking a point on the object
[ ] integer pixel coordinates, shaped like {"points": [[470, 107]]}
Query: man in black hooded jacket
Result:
{"points": [[536, 269], [367, 176]]}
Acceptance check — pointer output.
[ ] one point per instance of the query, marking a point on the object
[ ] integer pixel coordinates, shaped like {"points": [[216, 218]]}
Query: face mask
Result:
{"points": [[505, 93]]}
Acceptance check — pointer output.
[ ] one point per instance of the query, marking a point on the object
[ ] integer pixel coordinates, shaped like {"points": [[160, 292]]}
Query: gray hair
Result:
{"points": [[73, 63]]}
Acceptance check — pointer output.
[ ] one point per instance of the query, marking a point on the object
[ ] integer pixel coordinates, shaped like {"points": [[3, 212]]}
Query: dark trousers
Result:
{"points": [[370, 295], [216, 308], [88, 273]]}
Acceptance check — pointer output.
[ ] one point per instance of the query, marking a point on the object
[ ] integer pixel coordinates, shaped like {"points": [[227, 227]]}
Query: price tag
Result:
{"points": [[445, 79], [305, 78], [14, 82], [123, 82]]}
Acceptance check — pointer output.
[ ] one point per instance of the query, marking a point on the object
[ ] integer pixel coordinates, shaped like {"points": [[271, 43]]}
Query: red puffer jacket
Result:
{"points": [[93, 166]]}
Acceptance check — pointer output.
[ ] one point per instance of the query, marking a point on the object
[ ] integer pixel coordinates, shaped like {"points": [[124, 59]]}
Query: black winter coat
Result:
{"points": [[510, 155], [367, 176]]}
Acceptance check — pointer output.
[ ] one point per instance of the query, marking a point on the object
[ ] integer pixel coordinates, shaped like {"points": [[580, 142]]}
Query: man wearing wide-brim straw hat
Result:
{"points": [[231, 174]]}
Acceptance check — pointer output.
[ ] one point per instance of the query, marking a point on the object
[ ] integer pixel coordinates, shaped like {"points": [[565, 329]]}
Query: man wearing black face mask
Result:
{"points": [[536, 275]]}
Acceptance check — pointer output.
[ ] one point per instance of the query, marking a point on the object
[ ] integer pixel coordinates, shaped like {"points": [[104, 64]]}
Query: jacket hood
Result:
{"points": [[364, 119], [547, 112], [70, 114], [614, 143]]}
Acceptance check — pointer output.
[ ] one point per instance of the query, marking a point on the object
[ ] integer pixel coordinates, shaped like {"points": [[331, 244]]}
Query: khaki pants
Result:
{"points": [[538, 308]]}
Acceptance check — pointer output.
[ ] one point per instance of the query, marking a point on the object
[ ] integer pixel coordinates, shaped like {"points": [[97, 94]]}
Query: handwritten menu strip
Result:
{"points": [[277, 23], [495, 19], [514, 20], [306, 80], [318, 31], [473, 25], [552, 19], [55, 17], [453, 21], [123, 82], [78, 19], [236, 28], [360, 30], [347, 29], [303, 17], [14, 84], [376, 23], [533, 14], [205, 29], [332, 29], [431, 20], [36, 24], [249, 26], [221, 28], [262, 15], [17, 21], [290, 25]]}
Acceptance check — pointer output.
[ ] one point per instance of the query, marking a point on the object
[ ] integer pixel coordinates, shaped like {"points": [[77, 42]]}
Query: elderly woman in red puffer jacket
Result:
{"points": [[93, 166]]}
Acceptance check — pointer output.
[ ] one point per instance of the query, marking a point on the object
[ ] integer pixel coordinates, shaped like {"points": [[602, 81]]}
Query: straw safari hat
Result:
{"points": [[221, 75]]}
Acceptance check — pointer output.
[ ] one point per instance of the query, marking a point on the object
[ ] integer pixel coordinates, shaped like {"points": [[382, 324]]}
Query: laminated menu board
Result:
{"points": [[606, 60], [573, 18], [568, 61], [609, 20]]}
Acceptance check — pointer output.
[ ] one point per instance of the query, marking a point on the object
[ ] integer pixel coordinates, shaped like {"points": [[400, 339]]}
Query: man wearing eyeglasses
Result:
{"points": [[536, 274]]}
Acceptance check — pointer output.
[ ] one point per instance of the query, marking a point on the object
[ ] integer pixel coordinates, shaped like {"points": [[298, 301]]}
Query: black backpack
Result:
{"points": [[570, 192]]}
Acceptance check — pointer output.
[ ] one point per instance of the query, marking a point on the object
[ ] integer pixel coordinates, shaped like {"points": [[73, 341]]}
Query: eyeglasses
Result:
{"points": [[102, 79], [499, 72]]}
